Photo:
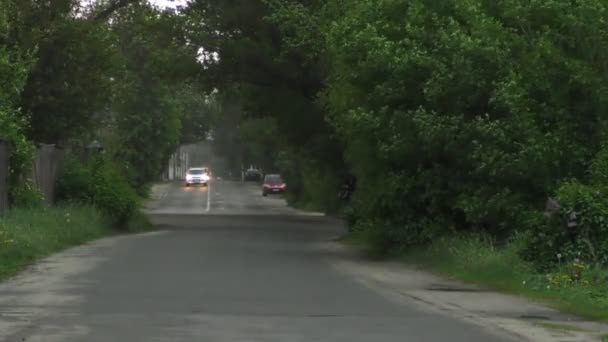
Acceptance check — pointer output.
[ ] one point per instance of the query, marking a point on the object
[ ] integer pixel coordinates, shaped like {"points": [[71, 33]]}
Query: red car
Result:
{"points": [[273, 184]]}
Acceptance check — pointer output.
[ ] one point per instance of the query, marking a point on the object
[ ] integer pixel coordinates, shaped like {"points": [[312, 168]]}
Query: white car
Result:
{"points": [[197, 176]]}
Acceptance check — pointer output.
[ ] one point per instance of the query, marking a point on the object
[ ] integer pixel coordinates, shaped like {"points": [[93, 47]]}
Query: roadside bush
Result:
{"points": [[373, 238], [598, 171], [350, 217], [112, 193], [25, 195], [319, 189], [74, 184], [99, 182], [12, 129], [577, 232]]}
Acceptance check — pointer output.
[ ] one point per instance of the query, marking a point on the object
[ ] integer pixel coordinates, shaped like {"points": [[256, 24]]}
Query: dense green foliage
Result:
{"points": [[26, 195], [467, 120], [454, 116], [470, 114], [51, 109], [27, 235], [265, 84], [14, 68], [101, 183], [154, 92], [578, 230], [67, 86], [120, 72]]}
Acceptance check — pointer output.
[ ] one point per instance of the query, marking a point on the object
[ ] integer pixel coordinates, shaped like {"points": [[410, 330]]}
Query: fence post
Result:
{"points": [[47, 165]]}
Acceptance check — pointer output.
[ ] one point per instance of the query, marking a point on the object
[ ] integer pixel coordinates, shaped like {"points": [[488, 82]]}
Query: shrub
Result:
{"points": [[350, 217], [578, 231], [12, 127], [598, 170], [319, 189], [99, 182], [75, 181], [112, 193], [25, 195]]}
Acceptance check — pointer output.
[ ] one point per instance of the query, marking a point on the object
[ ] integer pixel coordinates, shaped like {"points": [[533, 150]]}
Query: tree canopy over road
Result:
{"points": [[455, 116]]}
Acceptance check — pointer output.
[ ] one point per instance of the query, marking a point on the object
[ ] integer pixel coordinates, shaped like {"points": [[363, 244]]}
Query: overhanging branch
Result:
{"points": [[112, 7]]}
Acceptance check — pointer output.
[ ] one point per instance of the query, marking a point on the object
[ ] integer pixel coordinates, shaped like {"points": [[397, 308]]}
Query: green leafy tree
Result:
{"points": [[453, 115], [198, 111], [153, 97], [69, 85], [71, 79], [274, 83], [457, 115], [14, 68]]}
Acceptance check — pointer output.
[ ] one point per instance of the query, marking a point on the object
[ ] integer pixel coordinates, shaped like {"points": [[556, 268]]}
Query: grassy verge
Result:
{"points": [[138, 223], [27, 235], [580, 290], [305, 206]]}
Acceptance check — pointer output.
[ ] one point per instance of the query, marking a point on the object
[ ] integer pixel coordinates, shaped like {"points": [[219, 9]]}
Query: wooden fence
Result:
{"points": [[46, 167], [48, 161]]}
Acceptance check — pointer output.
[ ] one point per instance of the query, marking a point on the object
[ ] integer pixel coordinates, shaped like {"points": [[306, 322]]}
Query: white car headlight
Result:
{"points": [[188, 177], [205, 178]]}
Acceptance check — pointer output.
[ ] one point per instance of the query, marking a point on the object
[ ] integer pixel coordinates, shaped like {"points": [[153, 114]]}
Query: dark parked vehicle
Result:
{"points": [[253, 175], [273, 184]]}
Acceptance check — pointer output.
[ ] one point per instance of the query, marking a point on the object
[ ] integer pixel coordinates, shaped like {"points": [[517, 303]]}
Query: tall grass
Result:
{"points": [[476, 258], [573, 287], [137, 223], [29, 234]]}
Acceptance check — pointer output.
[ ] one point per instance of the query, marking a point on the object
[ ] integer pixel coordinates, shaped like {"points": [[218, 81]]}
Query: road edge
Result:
{"points": [[409, 284]]}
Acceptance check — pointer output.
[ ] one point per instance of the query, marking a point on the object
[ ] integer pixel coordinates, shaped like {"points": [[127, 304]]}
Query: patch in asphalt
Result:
{"points": [[535, 317], [451, 288]]}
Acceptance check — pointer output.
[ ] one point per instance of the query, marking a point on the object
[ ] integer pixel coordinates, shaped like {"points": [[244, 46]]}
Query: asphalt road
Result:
{"points": [[227, 266], [220, 198]]}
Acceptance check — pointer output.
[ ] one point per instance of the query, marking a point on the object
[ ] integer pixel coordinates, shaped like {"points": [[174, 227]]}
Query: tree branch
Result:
{"points": [[112, 7]]}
